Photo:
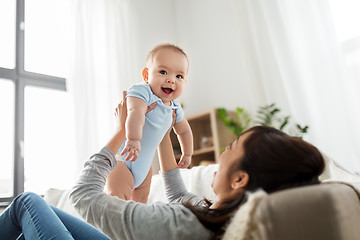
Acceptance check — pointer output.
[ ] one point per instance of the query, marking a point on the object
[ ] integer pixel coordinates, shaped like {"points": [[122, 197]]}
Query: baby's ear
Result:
{"points": [[145, 74]]}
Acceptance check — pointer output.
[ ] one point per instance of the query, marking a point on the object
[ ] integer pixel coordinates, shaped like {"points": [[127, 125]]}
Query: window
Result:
{"points": [[346, 20], [7, 28], [47, 43], [49, 143], [37, 133], [7, 93]]}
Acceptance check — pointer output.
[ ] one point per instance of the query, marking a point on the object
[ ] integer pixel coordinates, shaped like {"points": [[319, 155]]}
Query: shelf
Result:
{"points": [[203, 151], [208, 130], [199, 152]]}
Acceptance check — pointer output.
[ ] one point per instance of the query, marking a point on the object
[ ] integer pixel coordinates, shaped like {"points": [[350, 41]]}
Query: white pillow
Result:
{"points": [[60, 199], [197, 180]]}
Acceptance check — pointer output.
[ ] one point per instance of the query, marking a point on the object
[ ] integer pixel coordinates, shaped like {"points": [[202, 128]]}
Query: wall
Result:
{"points": [[210, 36], [245, 53], [151, 22], [207, 33]]}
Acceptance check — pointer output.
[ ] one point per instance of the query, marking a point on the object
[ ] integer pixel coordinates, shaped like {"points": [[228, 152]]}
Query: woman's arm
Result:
{"points": [[120, 116], [175, 189], [166, 154], [121, 219]]}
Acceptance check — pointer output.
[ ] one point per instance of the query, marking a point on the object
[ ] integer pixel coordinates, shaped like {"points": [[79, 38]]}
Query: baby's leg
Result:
{"points": [[141, 193], [120, 182]]}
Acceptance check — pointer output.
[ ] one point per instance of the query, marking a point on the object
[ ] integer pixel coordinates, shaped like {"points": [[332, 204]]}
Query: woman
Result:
{"points": [[262, 157]]}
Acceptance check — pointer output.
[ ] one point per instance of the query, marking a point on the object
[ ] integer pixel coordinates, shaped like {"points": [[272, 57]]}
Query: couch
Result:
{"points": [[328, 211]]}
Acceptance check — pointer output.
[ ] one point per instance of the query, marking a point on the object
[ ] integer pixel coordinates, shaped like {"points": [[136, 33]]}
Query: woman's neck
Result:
{"points": [[222, 202], [217, 204]]}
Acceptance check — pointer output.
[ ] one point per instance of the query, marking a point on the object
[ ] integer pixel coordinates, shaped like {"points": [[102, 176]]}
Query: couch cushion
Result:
{"points": [[325, 211], [60, 199]]}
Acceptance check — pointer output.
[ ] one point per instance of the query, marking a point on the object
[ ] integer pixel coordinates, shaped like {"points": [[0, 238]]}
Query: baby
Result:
{"points": [[165, 77]]}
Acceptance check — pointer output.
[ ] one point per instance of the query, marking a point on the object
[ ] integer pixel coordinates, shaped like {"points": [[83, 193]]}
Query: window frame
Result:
{"points": [[21, 79]]}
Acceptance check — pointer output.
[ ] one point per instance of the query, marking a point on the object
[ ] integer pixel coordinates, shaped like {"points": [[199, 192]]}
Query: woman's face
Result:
{"points": [[221, 183]]}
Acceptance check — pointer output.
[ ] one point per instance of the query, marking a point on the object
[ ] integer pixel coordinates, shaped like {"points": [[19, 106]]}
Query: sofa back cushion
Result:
{"points": [[326, 211]]}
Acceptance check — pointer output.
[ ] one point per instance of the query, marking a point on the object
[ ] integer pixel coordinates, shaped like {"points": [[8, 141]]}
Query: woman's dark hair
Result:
{"points": [[274, 161]]}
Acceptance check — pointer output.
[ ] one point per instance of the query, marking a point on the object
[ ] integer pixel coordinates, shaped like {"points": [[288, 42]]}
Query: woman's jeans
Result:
{"points": [[30, 217]]}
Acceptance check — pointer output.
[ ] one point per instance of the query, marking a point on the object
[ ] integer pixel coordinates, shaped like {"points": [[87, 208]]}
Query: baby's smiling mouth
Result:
{"points": [[167, 90]]}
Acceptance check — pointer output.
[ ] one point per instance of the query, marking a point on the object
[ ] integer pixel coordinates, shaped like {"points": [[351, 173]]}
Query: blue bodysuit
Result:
{"points": [[157, 123]]}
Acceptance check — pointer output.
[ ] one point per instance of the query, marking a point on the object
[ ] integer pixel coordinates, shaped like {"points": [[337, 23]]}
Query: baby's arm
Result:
{"points": [[185, 136], [134, 126]]}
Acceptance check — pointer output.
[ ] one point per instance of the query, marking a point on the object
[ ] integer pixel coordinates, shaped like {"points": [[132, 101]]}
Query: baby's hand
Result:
{"points": [[132, 147], [184, 161]]}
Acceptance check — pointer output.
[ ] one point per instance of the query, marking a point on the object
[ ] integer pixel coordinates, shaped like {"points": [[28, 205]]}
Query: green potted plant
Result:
{"points": [[268, 115]]}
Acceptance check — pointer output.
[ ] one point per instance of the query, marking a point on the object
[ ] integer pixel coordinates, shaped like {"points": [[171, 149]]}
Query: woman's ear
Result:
{"points": [[145, 74], [239, 180]]}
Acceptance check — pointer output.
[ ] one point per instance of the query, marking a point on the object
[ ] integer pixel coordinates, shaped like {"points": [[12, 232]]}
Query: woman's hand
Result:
{"points": [[172, 124], [165, 151], [121, 113]]}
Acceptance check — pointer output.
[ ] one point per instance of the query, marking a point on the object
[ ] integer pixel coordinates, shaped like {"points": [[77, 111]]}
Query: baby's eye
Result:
{"points": [[179, 76], [163, 72]]}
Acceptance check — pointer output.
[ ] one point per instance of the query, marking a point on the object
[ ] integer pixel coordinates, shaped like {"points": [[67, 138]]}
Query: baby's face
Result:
{"points": [[167, 74]]}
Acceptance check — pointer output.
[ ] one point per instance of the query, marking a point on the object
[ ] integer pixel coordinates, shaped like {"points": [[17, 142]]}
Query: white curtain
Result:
{"points": [[102, 58], [242, 53], [299, 62]]}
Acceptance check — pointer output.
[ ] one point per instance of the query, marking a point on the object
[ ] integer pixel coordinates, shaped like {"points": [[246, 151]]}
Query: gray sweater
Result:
{"points": [[120, 219]]}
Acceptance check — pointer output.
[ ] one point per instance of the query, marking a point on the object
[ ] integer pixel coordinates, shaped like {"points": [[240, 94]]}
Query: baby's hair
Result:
{"points": [[164, 46]]}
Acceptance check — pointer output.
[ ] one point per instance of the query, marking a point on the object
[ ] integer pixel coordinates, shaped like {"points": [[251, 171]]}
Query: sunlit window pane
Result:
{"points": [[48, 37], [346, 18], [7, 30], [49, 140], [6, 138]]}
